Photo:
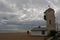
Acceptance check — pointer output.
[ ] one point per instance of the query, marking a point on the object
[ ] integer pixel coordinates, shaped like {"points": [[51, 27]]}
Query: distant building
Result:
{"points": [[39, 31]]}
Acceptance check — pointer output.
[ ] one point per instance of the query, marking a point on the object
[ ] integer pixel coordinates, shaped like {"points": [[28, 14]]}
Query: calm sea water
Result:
{"points": [[12, 30]]}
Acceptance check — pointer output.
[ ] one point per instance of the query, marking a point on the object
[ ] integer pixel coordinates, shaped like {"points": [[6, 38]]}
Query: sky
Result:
{"points": [[22, 15]]}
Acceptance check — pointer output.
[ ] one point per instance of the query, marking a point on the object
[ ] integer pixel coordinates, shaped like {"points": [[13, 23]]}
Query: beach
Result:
{"points": [[19, 36]]}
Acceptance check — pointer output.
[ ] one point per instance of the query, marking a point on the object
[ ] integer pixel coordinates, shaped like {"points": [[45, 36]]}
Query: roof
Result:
{"points": [[39, 29], [49, 9]]}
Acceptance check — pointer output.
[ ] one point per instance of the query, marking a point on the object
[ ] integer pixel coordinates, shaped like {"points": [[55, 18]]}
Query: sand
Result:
{"points": [[19, 36]]}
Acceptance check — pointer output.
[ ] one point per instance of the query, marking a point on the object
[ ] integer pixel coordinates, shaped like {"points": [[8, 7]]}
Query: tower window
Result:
{"points": [[45, 17], [49, 21]]}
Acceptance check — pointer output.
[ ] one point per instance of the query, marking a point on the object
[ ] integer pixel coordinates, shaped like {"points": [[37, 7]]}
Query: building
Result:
{"points": [[39, 31], [49, 17]]}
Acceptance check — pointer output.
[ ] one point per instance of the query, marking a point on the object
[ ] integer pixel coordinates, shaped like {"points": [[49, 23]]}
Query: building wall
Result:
{"points": [[50, 17], [39, 33]]}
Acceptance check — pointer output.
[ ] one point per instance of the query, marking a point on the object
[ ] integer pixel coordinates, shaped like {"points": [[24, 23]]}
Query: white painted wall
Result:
{"points": [[38, 33]]}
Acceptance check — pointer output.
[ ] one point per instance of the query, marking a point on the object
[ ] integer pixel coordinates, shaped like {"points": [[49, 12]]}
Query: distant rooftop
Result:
{"points": [[38, 28]]}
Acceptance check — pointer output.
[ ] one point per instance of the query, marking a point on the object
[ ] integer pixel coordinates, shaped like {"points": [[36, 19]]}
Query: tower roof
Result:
{"points": [[49, 9]]}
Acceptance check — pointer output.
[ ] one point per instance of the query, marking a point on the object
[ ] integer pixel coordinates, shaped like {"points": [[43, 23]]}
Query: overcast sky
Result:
{"points": [[20, 15]]}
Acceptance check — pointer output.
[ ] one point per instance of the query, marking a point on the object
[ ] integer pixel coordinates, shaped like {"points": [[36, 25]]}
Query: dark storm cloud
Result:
{"points": [[26, 24]]}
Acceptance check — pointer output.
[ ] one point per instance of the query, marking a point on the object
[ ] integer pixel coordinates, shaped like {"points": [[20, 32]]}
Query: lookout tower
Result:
{"points": [[49, 17]]}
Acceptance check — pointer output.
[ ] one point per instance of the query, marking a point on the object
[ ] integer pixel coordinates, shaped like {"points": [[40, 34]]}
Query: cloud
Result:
{"points": [[25, 14], [4, 7]]}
